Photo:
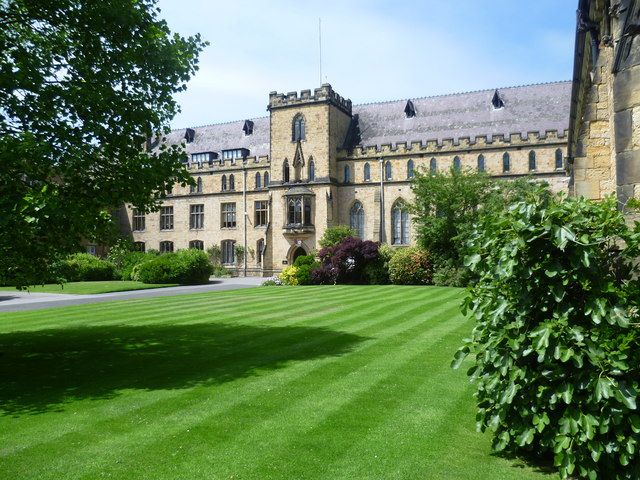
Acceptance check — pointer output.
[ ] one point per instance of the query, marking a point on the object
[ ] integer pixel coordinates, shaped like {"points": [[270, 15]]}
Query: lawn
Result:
{"points": [[90, 288], [333, 382]]}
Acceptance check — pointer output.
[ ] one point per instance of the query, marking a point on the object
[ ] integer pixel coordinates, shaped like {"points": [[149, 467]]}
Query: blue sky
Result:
{"points": [[372, 50]]}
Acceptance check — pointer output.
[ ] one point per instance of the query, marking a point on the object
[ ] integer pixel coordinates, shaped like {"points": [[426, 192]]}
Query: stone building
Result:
{"points": [[604, 136], [273, 185]]}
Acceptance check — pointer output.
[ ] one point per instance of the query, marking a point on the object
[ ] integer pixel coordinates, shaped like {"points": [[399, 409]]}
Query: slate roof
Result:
{"points": [[226, 136], [530, 108]]}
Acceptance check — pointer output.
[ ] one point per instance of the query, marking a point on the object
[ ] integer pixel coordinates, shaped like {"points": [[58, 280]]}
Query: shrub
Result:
{"points": [[288, 275], [411, 266], [557, 338], [447, 274], [345, 262], [303, 265], [332, 236], [272, 281], [82, 267], [184, 266], [377, 272]]}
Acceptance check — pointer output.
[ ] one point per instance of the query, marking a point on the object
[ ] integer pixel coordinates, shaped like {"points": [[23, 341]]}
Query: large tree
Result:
{"points": [[83, 85]]}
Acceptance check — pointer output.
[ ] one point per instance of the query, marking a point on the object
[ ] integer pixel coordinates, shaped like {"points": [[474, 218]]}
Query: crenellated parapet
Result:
{"points": [[248, 163], [460, 144], [323, 94]]}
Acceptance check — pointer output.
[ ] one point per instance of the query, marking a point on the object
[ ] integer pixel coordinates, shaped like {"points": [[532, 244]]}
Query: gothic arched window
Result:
{"points": [[400, 223], [559, 162], [506, 162], [312, 171], [258, 180], [285, 171], [232, 183], [223, 183], [367, 172], [456, 164], [433, 165], [532, 160], [266, 179], [388, 171], [481, 163], [298, 128], [410, 167], [356, 219], [347, 174]]}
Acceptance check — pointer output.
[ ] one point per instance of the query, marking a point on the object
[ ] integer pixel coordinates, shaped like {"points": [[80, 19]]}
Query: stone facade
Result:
{"points": [[319, 161], [604, 136]]}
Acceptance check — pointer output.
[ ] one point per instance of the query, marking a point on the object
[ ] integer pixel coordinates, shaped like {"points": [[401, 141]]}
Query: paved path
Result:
{"points": [[15, 301]]}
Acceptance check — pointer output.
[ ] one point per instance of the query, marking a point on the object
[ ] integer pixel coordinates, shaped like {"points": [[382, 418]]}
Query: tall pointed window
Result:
{"points": [[258, 180], [456, 164], [197, 188], [285, 171], [232, 182], [367, 172], [347, 174], [298, 128], [481, 163], [388, 171], [400, 223], [532, 161], [506, 163], [223, 183], [410, 167], [312, 171], [559, 162], [260, 248], [356, 219], [266, 179], [433, 165]]}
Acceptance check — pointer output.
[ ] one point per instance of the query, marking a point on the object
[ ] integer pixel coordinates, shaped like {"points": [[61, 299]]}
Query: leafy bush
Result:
{"points": [[377, 272], [345, 262], [304, 264], [411, 266], [184, 266], [288, 275], [82, 267], [333, 235], [447, 274], [557, 338], [272, 281]]}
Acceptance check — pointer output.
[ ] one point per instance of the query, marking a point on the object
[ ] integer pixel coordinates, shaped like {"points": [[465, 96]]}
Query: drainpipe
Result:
{"points": [[244, 206], [382, 200]]}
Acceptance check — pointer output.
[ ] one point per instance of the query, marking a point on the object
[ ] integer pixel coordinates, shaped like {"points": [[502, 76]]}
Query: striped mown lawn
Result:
{"points": [[335, 382]]}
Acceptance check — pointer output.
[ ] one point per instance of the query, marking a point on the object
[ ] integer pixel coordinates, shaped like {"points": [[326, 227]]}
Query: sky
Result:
{"points": [[372, 50]]}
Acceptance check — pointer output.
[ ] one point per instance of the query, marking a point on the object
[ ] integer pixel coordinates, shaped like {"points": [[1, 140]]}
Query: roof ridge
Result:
{"points": [[461, 93], [219, 123]]}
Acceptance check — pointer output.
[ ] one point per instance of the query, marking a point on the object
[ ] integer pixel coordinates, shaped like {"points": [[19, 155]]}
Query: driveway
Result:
{"points": [[17, 301]]}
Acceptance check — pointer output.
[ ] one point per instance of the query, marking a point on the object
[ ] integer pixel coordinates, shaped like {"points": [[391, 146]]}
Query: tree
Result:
{"points": [[83, 85], [333, 235], [345, 262], [556, 345], [447, 206]]}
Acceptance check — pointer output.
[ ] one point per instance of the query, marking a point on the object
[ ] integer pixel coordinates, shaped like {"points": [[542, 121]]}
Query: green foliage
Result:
{"points": [[82, 267], [377, 272], [288, 276], [304, 264], [447, 274], [447, 206], [557, 337], [84, 84], [333, 235], [184, 266], [215, 254], [125, 258], [411, 266]]}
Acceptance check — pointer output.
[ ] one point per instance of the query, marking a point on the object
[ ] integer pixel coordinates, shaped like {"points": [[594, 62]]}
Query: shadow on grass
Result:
{"points": [[540, 463], [42, 371]]}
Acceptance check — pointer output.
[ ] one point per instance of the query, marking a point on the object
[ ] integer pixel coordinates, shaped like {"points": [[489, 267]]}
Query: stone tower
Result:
{"points": [[306, 133]]}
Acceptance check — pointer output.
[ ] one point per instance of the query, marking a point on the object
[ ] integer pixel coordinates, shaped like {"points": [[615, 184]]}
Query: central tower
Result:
{"points": [[306, 132]]}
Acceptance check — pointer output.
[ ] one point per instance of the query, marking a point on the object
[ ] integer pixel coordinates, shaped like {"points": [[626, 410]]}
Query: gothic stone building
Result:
{"points": [[273, 185]]}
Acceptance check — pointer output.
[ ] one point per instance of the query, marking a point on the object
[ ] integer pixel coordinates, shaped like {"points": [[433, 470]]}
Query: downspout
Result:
{"points": [[382, 235], [244, 206]]}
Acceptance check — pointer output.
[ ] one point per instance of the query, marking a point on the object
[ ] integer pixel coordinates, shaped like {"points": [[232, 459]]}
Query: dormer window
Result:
{"points": [[497, 101], [298, 128], [189, 135], [234, 154], [248, 127], [410, 110], [203, 158]]}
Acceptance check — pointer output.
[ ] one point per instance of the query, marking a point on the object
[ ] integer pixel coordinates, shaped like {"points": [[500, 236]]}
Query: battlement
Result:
{"points": [[261, 161], [324, 94], [461, 144]]}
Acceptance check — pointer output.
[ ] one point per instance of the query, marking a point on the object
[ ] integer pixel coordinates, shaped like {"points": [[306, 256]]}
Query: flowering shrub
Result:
{"points": [[271, 281], [345, 262], [288, 275], [411, 266]]}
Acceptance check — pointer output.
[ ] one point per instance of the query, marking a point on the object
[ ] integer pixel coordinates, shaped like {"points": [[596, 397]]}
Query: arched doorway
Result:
{"points": [[297, 253]]}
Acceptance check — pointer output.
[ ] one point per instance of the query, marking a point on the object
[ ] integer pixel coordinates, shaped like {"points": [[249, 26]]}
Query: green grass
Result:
{"points": [[334, 382], [90, 288]]}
